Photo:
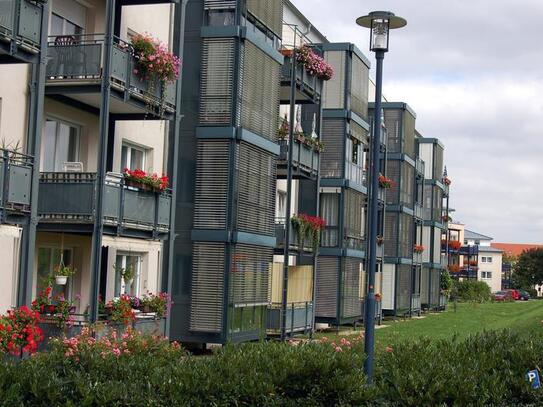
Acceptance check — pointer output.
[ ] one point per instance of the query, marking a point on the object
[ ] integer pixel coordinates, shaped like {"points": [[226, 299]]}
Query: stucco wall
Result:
{"points": [[495, 267]]}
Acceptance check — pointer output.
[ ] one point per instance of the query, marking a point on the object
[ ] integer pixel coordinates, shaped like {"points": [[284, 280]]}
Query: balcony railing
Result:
{"points": [[415, 302], [418, 210], [304, 157], [22, 17], [70, 198], [419, 166], [78, 59], [310, 86], [15, 181], [299, 317], [295, 243], [354, 239], [378, 310]]}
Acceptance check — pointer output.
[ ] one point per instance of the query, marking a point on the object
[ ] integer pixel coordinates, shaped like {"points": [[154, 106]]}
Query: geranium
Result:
{"points": [[157, 303], [307, 226], [447, 181], [454, 268], [385, 182], [19, 331], [139, 176], [59, 309], [154, 60], [313, 63], [418, 248], [453, 244], [120, 310], [446, 218]]}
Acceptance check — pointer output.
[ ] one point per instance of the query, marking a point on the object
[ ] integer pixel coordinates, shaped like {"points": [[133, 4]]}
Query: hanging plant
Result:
{"points": [[314, 64], [156, 65], [308, 227], [385, 182], [418, 248], [62, 272], [282, 133]]}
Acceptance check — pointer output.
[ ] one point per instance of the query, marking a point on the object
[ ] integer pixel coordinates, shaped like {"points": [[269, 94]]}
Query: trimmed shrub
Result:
{"points": [[471, 290]]}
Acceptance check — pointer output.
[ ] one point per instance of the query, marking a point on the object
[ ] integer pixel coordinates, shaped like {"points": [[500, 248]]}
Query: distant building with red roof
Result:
{"points": [[515, 249]]}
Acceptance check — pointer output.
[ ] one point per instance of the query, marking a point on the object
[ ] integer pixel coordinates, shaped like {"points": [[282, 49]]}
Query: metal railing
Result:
{"points": [[70, 197], [16, 171], [308, 83], [299, 317], [415, 302], [354, 239], [295, 243], [24, 18], [303, 156], [79, 59], [419, 166], [355, 173]]}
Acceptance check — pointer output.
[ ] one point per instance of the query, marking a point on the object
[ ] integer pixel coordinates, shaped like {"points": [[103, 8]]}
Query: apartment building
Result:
{"points": [[488, 266], [90, 116]]}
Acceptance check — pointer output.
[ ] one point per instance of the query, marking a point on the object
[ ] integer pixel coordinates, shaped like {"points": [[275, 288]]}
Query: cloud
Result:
{"points": [[471, 71]]}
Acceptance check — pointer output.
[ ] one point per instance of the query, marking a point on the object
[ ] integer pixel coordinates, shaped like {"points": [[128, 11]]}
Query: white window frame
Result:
{"points": [[131, 146], [76, 126], [136, 283], [52, 265], [486, 275]]}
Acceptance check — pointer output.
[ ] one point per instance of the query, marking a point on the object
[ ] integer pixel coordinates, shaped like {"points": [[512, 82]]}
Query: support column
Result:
{"points": [[96, 253], [33, 148]]}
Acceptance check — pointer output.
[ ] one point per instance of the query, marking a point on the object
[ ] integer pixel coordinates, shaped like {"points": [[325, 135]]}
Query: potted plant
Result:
{"points": [[61, 274], [418, 248], [140, 179], [385, 182], [380, 240]]}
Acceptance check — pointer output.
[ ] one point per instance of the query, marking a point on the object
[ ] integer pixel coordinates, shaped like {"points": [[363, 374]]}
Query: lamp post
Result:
{"points": [[379, 23]]}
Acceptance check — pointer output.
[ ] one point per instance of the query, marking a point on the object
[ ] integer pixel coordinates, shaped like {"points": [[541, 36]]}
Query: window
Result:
{"points": [[489, 259], [63, 26], [48, 259], [483, 259], [281, 204], [60, 144], [486, 274], [127, 274], [132, 157]]}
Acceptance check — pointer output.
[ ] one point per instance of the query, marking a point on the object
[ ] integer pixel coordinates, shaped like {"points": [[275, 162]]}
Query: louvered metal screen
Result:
{"points": [[354, 219], [407, 226], [350, 303], [407, 185], [424, 285], [249, 275], [391, 234], [327, 287], [260, 92], [269, 12], [394, 134], [438, 162], [359, 87], [409, 134], [206, 310], [333, 138], [393, 172], [217, 81], [255, 195], [403, 293], [219, 4], [358, 132], [210, 201], [334, 89]]}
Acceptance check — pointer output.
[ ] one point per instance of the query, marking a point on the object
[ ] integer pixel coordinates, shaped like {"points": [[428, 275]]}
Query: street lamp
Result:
{"points": [[379, 23]]}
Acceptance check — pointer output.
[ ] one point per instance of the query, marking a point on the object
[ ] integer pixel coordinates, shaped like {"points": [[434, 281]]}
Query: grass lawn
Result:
{"points": [[468, 319]]}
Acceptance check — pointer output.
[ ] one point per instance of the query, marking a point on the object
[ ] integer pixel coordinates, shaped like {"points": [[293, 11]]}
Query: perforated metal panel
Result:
{"points": [[407, 185], [249, 275], [326, 287], [210, 202], [392, 123], [438, 162], [409, 134], [255, 195], [350, 303], [393, 172], [403, 293], [269, 12], [207, 292], [334, 89], [407, 229], [354, 219], [359, 87], [217, 81], [260, 92], [391, 234], [333, 138]]}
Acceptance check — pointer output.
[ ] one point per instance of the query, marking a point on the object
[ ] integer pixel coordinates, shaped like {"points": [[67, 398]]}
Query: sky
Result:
{"points": [[473, 73]]}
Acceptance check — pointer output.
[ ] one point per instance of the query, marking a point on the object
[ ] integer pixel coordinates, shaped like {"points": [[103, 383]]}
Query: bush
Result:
{"points": [[487, 369], [471, 290]]}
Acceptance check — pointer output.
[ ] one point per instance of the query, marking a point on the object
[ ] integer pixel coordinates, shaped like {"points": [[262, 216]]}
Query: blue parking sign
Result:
{"points": [[533, 377]]}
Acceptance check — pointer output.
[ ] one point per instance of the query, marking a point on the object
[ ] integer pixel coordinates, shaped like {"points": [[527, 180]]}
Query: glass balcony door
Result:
{"points": [[60, 145]]}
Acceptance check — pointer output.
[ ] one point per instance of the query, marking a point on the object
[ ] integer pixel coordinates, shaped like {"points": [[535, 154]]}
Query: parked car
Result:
{"points": [[524, 295], [514, 293], [506, 295]]}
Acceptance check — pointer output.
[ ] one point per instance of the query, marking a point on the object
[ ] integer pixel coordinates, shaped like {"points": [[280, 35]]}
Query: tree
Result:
{"points": [[529, 269]]}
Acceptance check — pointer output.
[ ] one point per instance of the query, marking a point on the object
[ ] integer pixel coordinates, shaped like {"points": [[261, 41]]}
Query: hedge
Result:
{"points": [[487, 369]]}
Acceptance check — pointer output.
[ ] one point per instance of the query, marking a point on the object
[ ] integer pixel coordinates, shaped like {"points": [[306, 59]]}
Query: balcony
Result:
{"points": [[419, 168], [69, 198], [295, 244], [15, 183], [75, 71], [308, 87], [418, 211], [415, 303], [305, 159], [20, 29], [378, 310], [299, 318], [355, 173], [354, 239]]}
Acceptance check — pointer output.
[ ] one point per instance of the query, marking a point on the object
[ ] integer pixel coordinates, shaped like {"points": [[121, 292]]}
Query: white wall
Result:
{"points": [[495, 267], [14, 106], [10, 239]]}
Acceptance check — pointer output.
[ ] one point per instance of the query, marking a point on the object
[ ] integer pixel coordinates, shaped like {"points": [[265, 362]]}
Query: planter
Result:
{"points": [[138, 185], [61, 280]]}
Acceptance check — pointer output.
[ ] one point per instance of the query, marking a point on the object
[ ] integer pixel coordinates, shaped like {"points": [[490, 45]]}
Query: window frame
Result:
{"points": [[120, 286], [64, 21], [132, 146], [78, 127]]}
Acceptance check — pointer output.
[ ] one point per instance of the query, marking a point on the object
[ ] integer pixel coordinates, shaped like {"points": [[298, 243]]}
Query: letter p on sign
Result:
{"points": [[533, 377]]}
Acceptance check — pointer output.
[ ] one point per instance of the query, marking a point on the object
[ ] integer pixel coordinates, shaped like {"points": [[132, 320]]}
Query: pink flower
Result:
{"points": [[388, 349], [338, 349]]}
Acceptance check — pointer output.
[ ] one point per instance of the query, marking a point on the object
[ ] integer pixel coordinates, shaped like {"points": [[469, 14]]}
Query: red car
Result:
{"points": [[506, 295], [514, 293]]}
